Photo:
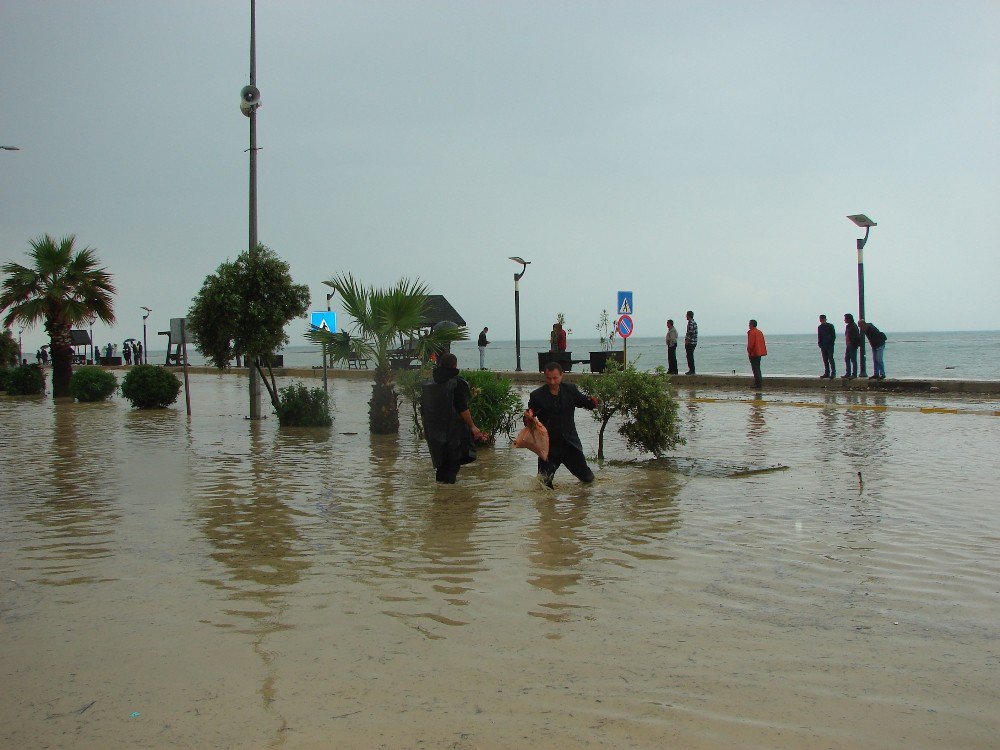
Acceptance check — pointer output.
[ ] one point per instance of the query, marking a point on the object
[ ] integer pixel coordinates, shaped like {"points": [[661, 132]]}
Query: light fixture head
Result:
{"points": [[862, 221], [519, 259]]}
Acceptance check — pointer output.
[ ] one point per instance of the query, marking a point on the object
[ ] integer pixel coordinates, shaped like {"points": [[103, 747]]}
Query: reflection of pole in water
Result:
{"points": [[861, 483]]}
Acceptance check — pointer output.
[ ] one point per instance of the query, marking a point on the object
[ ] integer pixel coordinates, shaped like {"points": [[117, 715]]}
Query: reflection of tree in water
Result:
{"points": [[75, 496], [255, 537]]}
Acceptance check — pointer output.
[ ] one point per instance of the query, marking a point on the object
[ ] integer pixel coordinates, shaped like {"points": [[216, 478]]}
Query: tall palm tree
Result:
{"points": [[383, 319], [62, 287]]}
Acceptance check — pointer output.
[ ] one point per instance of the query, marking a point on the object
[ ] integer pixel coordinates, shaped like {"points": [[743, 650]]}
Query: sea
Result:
{"points": [[959, 355]]}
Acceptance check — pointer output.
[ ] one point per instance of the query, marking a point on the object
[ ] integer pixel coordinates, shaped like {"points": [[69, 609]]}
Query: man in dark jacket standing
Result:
{"points": [[554, 404], [483, 343], [852, 335], [448, 425], [827, 336]]}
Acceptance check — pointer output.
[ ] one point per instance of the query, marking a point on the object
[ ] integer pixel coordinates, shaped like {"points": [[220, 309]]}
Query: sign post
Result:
{"points": [[324, 321], [625, 327]]}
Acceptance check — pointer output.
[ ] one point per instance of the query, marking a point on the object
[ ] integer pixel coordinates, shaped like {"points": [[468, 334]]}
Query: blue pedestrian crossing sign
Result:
{"points": [[326, 320], [625, 306]]}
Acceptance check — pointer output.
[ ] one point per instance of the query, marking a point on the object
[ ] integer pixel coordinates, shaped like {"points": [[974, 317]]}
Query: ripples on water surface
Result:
{"points": [[241, 586]]}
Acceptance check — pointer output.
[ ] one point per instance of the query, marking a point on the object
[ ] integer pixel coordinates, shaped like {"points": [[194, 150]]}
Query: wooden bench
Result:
{"points": [[354, 362]]}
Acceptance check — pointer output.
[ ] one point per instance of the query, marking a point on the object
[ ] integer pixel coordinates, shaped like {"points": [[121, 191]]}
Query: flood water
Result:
{"points": [[212, 583]]}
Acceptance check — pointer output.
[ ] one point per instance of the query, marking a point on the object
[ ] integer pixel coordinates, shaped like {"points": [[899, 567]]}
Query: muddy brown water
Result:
{"points": [[212, 583]]}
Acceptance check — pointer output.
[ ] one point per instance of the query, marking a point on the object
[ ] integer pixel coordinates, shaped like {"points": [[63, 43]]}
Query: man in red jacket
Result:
{"points": [[756, 348]]}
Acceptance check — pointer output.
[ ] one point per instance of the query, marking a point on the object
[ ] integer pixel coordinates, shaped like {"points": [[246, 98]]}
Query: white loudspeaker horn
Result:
{"points": [[249, 99]]}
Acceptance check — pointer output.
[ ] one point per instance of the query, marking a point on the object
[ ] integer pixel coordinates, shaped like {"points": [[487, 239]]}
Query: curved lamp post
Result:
{"points": [[328, 298], [862, 221], [517, 305], [145, 356]]}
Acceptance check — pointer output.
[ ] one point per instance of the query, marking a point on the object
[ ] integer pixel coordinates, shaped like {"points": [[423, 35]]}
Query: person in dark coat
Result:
{"points": [[448, 425], [826, 336], [554, 404], [877, 340], [852, 335]]}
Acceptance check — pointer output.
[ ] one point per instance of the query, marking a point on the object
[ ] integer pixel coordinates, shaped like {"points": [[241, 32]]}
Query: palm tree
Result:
{"points": [[63, 287], [383, 320]]}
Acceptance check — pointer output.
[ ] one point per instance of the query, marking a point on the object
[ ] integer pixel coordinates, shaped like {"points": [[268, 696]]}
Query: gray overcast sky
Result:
{"points": [[702, 154]]}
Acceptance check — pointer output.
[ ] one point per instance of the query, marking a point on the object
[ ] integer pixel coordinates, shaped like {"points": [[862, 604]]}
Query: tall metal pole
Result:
{"points": [[255, 410], [517, 306], [861, 297]]}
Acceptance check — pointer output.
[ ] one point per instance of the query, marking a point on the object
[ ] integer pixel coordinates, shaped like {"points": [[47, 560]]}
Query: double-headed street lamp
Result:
{"points": [[862, 221], [145, 356], [517, 305]]}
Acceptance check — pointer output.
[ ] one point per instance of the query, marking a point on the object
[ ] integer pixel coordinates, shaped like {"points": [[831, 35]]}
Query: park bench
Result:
{"points": [[354, 362]]}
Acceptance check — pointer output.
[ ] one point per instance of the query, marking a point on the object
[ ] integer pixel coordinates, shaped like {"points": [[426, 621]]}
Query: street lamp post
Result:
{"points": [[328, 298], [20, 351], [517, 305], [145, 355], [862, 221]]}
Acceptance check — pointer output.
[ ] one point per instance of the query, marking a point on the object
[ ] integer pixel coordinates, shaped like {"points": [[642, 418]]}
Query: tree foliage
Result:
{"points": [[303, 407], [9, 349], [26, 380], [242, 310], [383, 319], [643, 402], [495, 406], [62, 287]]}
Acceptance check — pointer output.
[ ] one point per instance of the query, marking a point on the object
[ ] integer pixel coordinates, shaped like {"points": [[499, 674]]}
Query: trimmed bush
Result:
{"points": [[4, 374], [150, 387], [26, 380], [92, 384], [299, 406]]}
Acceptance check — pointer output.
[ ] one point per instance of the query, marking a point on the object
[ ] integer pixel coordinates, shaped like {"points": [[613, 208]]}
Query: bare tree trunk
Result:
{"points": [[62, 359]]}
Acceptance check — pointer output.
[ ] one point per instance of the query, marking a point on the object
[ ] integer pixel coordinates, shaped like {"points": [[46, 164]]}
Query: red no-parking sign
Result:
{"points": [[624, 326]]}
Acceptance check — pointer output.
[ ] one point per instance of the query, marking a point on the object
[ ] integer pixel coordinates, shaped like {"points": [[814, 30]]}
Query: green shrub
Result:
{"points": [[26, 380], [642, 399], [410, 384], [496, 408], [92, 384], [150, 387], [4, 374], [299, 406]]}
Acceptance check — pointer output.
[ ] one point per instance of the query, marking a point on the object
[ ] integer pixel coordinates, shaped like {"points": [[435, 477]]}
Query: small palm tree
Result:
{"points": [[383, 319], [62, 287]]}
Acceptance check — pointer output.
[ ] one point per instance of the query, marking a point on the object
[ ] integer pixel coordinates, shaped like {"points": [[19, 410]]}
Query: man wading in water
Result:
{"points": [[554, 404], [448, 425]]}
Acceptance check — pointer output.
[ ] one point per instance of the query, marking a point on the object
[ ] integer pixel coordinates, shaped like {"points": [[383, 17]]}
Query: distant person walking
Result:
{"points": [[127, 353], [483, 343], [554, 338], [756, 348], [448, 425], [826, 336], [877, 340], [690, 341], [671, 341], [852, 337]]}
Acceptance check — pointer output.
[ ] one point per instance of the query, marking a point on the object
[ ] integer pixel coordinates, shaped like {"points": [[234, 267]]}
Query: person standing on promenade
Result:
{"points": [[690, 341], [554, 405], [671, 348], [448, 425], [562, 338], [483, 343], [554, 338], [827, 336], [877, 340], [852, 335], [756, 348]]}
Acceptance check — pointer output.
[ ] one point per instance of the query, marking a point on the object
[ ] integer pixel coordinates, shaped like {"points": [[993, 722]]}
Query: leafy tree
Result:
{"points": [[495, 406], [384, 318], [242, 310], [642, 400], [62, 287], [150, 387], [92, 384], [9, 350]]}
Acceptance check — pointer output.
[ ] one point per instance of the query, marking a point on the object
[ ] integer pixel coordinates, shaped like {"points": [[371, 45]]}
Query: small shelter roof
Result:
{"points": [[440, 310], [79, 338]]}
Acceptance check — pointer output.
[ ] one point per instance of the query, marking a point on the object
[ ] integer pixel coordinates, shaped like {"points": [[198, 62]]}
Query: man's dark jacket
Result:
{"points": [[556, 412], [826, 334], [442, 399], [875, 337]]}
